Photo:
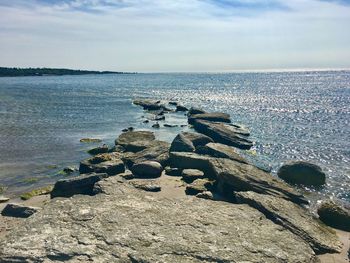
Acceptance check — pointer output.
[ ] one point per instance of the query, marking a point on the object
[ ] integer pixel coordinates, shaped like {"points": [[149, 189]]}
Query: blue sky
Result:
{"points": [[175, 35]]}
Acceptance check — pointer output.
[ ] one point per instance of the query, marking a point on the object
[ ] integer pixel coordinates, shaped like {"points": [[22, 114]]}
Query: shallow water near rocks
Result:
{"points": [[291, 115]]}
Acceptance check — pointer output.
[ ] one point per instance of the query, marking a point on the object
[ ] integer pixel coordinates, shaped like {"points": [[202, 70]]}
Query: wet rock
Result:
{"points": [[127, 175], [69, 170], [125, 224], [36, 192], [173, 171], [109, 167], [148, 104], [334, 215], [189, 175], [109, 163], [158, 153], [294, 218], [213, 116], [146, 185], [4, 199], [159, 118], [98, 150], [304, 173], [18, 210], [82, 184], [117, 148], [199, 186], [132, 136], [147, 169], [156, 126], [138, 146], [222, 133], [188, 141], [146, 121], [181, 108], [235, 176], [221, 151], [90, 140], [205, 195], [174, 103], [170, 125], [194, 110]]}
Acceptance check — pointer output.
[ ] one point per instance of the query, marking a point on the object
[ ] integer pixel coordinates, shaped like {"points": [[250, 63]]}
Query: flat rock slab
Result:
{"points": [[295, 218], [18, 210], [128, 225], [223, 133], [213, 116], [132, 136], [146, 185]]}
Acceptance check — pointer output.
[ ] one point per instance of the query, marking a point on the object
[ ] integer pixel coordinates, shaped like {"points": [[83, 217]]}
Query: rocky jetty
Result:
{"points": [[196, 199]]}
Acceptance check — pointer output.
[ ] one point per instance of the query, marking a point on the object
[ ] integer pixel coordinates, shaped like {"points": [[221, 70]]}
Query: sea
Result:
{"points": [[291, 115]]}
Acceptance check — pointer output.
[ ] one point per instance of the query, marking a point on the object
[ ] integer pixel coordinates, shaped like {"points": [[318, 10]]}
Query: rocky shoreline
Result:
{"points": [[193, 200]]}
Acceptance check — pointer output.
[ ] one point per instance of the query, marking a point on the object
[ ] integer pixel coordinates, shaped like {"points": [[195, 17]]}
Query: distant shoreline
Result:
{"points": [[26, 72]]}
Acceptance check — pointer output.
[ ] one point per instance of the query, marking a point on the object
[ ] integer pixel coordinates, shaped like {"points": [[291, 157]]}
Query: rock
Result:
{"points": [[304, 173], [98, 150], [126, 224], [103, 163], [170, 125], [222, 133], [296, 219], [181, 108], [156, 126], [128, 129], [4, 199], [146, 121], [36, 192], [90, 140], [82, 184], [194, 110], [174, 103], [189, 175], [127, 175], [69, 170], [334, 215], [205, 195], [188, 141], [147, 169], [199, 186], [18, 210], [158, 153], [213, 116], [159, 118], [173, 171], [221, 151], [110, 167], [146, 185], [138, 146], [148, 104], [132, 136], [235, 176]]}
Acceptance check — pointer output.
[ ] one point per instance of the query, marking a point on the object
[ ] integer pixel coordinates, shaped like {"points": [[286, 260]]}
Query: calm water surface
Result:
{"points": [[296, 115]]}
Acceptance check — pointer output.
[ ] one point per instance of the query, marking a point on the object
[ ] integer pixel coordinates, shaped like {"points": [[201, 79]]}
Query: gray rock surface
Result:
{"points": [[212, 116], [173, 171], [295, 218], [189, 175], [147, 169], [126, 138], [194, 110], [106, 163], [300, 172], [99, 149], [129, 225], [18, 210], [188, 141], [334, 214], [4, 199], [235, 176], [82, 184], [149, 104], [223, 133], [146, 185], [181, 108], [199, 186]]}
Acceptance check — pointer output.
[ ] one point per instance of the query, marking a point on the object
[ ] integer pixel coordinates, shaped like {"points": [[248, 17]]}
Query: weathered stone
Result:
{"points": [[156, 126], [82, 184], [334, 215], [159, 118], [199, 186], [205, 195], [112, 167], [98, 150], [69, 170], [221, 151], [148, 104], [174, 103], [138, 146], [222, 133], [126, 224], [194, 110], [181, 108], [212, 116], [89, 165], [146, 185], [294, 218], [4, 199], [300, 172], [132, 136], [127, 175], [188, 141], [173, 171], [189, 175], [18, 210], [170, 125], [235, 176], [158, 153], [147, 169]]}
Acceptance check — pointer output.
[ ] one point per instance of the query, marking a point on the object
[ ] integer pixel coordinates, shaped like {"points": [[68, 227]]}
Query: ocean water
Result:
{"points": [[291, 116]]}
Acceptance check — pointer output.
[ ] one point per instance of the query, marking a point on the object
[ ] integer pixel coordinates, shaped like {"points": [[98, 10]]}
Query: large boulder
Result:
{"points": [[296, 219], [19, 210], [99, 149], [334, 215], [158, 153], [188, 141], [235, 176], [304, 173], [223, 133], [109, 163], [82, 184], [130, 137], [212, 116], [147, 169], [221, 151], [129, 225]]}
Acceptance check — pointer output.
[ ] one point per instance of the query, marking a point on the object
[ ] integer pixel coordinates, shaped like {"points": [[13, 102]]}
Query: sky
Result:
{"points": [[175, 35]]}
